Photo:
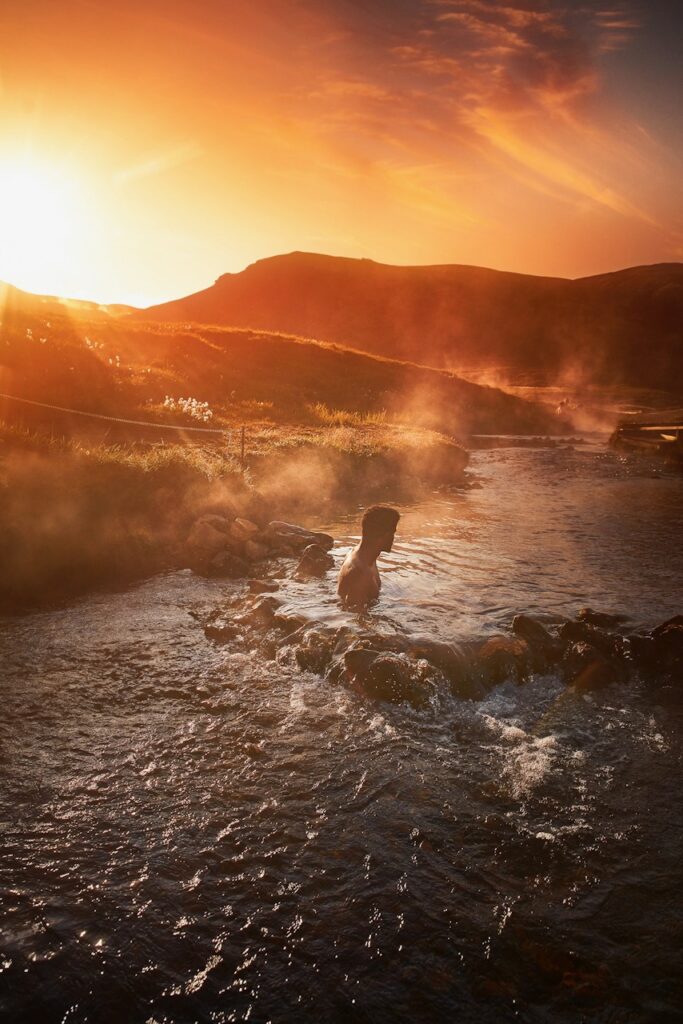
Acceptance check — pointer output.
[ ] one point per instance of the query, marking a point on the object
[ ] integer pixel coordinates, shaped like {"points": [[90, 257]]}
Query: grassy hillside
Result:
{"points": [[625, 327], [121, 367], [94, 502]]}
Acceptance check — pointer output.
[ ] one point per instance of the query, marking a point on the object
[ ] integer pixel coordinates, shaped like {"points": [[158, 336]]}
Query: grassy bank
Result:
{"points": [[76, 516]]}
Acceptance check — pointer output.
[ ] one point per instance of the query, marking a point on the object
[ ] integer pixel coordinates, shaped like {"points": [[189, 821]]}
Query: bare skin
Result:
{"points": [[359, 583]]}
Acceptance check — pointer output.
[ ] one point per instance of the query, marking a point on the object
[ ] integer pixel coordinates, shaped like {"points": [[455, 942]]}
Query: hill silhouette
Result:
{"points": [[618, 328], [15, 300]]}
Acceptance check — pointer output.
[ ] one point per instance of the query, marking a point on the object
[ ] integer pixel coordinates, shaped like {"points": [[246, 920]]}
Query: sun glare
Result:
{"points": [[42, 225]]}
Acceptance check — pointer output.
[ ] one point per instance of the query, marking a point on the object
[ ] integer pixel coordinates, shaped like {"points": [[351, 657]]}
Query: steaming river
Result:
{"points": [[190, 834]]}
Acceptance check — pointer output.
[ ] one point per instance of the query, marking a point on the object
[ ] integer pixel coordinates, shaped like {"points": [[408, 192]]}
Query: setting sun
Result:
{"points": [[43, 223]]}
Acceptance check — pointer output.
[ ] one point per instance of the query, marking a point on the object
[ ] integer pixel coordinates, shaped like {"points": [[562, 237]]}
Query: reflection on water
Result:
{"points": [[194, 835]]}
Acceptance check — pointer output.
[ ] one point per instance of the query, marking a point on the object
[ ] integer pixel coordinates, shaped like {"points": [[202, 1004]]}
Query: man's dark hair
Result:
{"points": [[378, 520]]}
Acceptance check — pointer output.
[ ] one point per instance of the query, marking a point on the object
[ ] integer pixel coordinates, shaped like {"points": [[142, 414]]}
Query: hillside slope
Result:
{"points": [[122, 367], [625, 327]]}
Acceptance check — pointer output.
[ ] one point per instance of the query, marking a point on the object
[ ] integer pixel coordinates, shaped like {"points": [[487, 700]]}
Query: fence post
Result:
{"points": [[242, 446]]}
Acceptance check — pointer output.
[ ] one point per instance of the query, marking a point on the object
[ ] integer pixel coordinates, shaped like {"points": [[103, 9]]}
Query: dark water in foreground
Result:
{"points": [[193, 835]]}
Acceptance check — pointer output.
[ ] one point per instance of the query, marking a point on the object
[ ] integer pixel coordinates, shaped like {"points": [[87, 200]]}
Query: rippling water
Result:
{"points": [[189, 834]]}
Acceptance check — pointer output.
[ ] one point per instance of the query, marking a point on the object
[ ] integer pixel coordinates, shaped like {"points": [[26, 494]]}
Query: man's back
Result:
{"points": [[359, 582]]}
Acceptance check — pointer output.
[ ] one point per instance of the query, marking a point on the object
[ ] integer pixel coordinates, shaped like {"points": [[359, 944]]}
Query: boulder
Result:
{"points": [[221, 632], [504, 657], [382, 675], [255, 551], [228, 565], [315, 647], [260, 612], [315, 561], [262, 587], [676, 620], [543, 645], [582, 632], [586, 668], [205, 540], [287, 536], [221, 523], [243, 529], [453, 662], [602, 619]]}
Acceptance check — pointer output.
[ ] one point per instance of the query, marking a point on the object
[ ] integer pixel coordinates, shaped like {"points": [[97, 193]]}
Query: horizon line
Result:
{"points": [[305, 252]]}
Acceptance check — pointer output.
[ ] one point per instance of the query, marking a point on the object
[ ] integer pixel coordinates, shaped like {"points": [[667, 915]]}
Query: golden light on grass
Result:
{"points": [[43, 222]]}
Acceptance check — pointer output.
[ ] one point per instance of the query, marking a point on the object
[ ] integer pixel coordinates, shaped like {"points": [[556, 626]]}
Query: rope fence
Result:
{"points": [[147, 424]]}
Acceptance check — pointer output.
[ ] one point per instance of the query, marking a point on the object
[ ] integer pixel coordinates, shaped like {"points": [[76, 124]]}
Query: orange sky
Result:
{"points": [[192, 139]]}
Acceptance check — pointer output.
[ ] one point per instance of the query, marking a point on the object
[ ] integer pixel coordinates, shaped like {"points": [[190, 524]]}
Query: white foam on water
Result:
{"points": [[527, 760]]}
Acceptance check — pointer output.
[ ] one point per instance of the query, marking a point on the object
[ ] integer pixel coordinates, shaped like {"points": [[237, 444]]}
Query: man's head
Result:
{"points": [[379, 526]]}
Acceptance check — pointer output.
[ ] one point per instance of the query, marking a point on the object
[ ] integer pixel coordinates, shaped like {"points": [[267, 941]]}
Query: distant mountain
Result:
{"points": [[625, 327]]}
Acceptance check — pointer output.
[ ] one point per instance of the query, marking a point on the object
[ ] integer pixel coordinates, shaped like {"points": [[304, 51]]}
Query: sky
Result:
{"points": [[148, 146]]}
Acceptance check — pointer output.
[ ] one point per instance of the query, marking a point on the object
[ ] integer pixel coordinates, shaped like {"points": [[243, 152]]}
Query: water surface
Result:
{"points": [[194, 834]]}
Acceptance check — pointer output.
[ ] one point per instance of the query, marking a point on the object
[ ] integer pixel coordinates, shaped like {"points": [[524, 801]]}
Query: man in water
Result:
{"points": [[359, 582]]}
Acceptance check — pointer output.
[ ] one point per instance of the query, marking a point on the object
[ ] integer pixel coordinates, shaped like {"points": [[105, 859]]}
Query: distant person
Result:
{"points": [[359, 582]]}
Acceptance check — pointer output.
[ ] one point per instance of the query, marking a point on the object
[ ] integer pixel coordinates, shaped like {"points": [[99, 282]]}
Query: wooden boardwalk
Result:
{"points": [[659, 433]]}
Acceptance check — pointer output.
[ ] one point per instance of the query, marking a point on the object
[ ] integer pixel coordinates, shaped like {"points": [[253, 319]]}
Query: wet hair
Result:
{"points": [[379, 520]]}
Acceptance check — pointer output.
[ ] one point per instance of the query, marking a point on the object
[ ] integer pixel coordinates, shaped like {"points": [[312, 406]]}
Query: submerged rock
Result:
{"points": [[602, 619], [676, 620], [228, 565], [205, 539], [261, 611], [315, 562], [289, 537], [254, 551], [262, 587], [243, 529], [586, 668], [502, 658], [609, 644], [543, 645], [385, 676], [453, 661], [221, 632]]}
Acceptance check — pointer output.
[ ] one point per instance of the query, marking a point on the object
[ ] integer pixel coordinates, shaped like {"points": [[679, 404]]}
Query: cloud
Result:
{"points": [[503, 83], [159, 163]]}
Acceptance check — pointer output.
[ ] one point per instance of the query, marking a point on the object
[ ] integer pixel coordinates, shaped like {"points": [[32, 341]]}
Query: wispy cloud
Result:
{"points": [[511, 80], [159, 163]]}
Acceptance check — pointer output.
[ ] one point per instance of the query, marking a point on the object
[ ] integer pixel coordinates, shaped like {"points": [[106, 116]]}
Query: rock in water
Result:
{"points": [[226, 564], [676, 620], [261, 611], [451, 660], [262, 587], [315, 561], [296, 538], [602, 619], [586, 668], [221, 632], [254, 551], [243, 529], [542, 643], [582, 632], [205, 540], [504, 657]]}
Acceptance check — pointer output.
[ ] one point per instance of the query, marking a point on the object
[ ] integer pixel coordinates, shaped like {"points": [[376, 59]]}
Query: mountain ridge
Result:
{"points": [[456, 316]]}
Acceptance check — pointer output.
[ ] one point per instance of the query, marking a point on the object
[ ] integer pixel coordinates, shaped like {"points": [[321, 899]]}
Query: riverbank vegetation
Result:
{"points": [[298, 425]]}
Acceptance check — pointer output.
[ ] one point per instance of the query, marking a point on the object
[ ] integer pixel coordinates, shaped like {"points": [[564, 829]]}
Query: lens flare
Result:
{"points": [[42, 223]]}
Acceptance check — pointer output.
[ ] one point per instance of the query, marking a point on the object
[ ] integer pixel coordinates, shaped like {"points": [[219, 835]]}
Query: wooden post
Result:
{"points": [[243, 433]]}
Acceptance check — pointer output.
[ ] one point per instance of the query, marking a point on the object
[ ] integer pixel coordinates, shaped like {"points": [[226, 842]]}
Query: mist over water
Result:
{"points": [[194, 834]]}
